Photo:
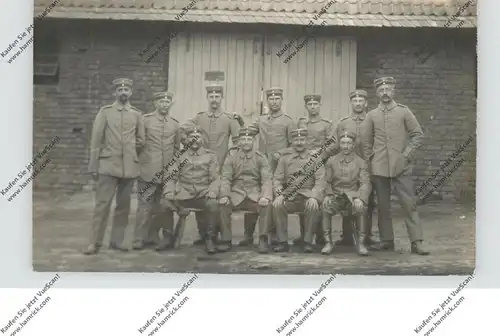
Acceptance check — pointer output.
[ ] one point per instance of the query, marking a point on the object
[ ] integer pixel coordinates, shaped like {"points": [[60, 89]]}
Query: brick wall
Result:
{"points": [[91, 56], [441, 91]]}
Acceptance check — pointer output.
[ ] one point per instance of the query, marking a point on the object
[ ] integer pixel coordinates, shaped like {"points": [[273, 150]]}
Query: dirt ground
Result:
{"points": [[61, 228]]}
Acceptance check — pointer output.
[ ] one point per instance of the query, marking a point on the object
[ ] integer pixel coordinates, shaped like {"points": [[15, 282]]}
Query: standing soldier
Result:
{"points": [[318, 131], [117, 134], [348, 190], [354, 124], [274, 135], [246, 185], [217, 128], [298, 187], [162, 141], [195, 183], [393, 134]]}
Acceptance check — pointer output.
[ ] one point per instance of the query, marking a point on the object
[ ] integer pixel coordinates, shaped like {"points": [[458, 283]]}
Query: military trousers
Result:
{"points": [[151, 218], [340, 204], [403, 188], [106, 188], [346, 221], [298, 204], [209, 212], [264, 213]]}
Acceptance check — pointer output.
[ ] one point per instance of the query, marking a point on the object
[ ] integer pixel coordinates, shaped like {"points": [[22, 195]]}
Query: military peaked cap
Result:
{"points": [[384, 80], [312, 97], [358, 93], [247, 131], [274, 92], [299, 132], [162, 95], [347, 134], [119, 82], [213, 88]]}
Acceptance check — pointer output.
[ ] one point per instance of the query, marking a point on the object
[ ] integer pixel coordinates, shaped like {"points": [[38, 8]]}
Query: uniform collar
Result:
{"points": [[388, 107], [215, 114], [162, 117], [309, 121], [244, 155], [302, 155], [358, 116], [121, 107], [346, 158], [277, 115]]}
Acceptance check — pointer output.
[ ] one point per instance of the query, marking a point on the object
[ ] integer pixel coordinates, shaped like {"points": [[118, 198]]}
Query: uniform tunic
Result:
{"points": [[217, 128], [347, 174], [317, 131], [298, 177], [117, 133], [246, 177], [274, 135], [387, 130], [196, 174], [163, 139]]}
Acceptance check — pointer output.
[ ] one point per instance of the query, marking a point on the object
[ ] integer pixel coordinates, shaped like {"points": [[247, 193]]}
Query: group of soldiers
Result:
{"points": [[309, 167]]}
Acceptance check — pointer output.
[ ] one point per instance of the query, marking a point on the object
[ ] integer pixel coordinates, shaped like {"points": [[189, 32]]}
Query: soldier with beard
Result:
{"points": [[393, 135], [274, 131], [163, 139], [353, 123], [117, 134], [217, 128], [318, 132], [195, 183]]}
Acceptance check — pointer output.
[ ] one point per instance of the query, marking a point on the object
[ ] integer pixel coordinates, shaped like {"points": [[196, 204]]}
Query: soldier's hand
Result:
{"points": [[224, 200], [278, 201], [212, 194], [95, 176], [358, 205], [239, 119], [312, 204], [327, 201], [263, 202], [167, 204], [276, 156]]}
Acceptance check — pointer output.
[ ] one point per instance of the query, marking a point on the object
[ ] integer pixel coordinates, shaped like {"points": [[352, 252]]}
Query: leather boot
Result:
{"points": [[361, 235], [117, 247], [92, 249], [369, 240], [300, 241], [281, 247], [346, 239], [263, 245], [210, 236], [166, 243], [417, 248], [383, 246], [327, 234]]}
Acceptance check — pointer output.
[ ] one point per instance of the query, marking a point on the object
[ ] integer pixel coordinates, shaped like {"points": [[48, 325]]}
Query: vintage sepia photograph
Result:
{"points": [[252, 136]]}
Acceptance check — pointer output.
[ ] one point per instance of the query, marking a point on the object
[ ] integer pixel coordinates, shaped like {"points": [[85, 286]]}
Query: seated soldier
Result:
{"points": [[246, 184], [194, 182], [347, 192], [298, 187]]}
